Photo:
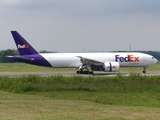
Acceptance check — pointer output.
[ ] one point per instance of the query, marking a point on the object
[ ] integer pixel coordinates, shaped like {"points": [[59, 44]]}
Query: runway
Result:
{"points": [[12, 75]]}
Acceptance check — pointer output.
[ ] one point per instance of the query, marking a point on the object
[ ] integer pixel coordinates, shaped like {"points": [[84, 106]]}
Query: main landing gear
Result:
{"points": [[84, 69], [84, 72]]}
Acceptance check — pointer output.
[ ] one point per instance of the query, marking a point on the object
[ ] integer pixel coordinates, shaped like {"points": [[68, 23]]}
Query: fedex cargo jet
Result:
{"points": [[85, 62]]}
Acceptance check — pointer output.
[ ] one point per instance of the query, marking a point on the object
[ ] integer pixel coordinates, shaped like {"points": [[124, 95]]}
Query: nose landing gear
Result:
{"points": [[144, 69]]}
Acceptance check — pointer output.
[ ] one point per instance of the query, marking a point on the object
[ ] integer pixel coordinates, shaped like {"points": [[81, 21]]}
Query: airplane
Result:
{"points": [[86, 63]]}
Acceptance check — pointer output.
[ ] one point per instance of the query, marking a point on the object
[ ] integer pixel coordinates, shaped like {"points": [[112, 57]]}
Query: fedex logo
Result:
{"points": [[129, 58], [112, 66], [23, 46]]}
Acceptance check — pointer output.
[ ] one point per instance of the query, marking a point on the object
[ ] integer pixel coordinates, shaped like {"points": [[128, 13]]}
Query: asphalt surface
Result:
{"points": [[73, 74]]}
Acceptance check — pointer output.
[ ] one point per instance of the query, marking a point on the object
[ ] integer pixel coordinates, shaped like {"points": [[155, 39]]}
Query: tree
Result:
{"points": [[8, 52]]}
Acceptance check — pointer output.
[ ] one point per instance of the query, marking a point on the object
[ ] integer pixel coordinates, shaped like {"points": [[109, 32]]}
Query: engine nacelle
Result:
{"points": [[111, 66]]}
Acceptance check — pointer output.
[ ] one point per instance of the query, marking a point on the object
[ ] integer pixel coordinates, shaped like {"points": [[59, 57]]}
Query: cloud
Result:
{"points": [[13, 2], [26, 4], [85, 23], [87, 7]]}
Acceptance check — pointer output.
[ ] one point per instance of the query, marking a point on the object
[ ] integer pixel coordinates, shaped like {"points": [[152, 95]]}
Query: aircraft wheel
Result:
{"points": [[144, 71], [85, 72], [78, 72], [91, 72]]}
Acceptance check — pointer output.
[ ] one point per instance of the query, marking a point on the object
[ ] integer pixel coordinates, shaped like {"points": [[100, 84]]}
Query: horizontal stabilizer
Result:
{"points": [[22, 58]]}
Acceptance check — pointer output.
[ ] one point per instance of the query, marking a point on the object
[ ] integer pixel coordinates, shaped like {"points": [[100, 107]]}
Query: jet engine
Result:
{"points": [[111, 67]]}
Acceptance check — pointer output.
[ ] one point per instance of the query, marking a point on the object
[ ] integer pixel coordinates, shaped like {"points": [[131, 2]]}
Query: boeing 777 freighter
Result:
{"points": [[85, 62]]}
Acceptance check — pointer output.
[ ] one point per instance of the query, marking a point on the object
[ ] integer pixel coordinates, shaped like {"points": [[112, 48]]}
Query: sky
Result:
{"points": [[82, 25]]}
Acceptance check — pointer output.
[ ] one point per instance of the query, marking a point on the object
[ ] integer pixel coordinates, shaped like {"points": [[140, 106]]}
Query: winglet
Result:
{"points": [[23, 46]]}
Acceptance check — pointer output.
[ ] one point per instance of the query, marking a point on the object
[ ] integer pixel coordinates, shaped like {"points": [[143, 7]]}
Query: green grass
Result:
{"points": [[132, 90], [23, 68], [76, 97], [27, 68], [31, 107]]}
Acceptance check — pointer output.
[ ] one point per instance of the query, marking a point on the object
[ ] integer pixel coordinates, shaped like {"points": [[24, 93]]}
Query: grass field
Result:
{"points": [[31, 107], [69, 98], [26, 68]]}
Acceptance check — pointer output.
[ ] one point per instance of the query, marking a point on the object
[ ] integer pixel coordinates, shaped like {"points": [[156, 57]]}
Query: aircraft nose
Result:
{"points": [[155, 61]]}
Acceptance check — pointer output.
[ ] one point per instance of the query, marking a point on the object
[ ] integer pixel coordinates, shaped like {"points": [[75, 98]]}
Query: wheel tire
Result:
{"points": [[144, 71], [91, 72], [85, 72], [78, 72]]}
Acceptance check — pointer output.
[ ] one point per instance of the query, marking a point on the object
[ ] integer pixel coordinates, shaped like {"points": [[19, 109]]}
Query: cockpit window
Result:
{"points": [[152, 57]]}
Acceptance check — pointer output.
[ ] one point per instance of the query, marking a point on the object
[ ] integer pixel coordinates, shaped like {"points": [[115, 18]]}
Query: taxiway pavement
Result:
{"points": [[74, 74]]}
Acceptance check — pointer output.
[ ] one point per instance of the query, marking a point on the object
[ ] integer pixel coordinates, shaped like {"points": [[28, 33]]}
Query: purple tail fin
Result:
{"points": [[23, 46]]}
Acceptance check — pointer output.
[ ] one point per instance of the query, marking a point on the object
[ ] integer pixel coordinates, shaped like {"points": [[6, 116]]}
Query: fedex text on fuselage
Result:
{"points": [[129, 58]]}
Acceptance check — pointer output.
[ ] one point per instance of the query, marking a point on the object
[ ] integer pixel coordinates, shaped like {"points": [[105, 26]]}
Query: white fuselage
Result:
{"points": [[71, 60]]}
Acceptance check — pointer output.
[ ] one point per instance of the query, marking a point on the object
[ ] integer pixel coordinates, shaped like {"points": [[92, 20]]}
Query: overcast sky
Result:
{"points": [[82, 25]]}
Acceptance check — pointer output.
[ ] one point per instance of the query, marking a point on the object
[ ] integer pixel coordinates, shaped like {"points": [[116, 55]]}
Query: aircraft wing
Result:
{"points": [[90, 61]]}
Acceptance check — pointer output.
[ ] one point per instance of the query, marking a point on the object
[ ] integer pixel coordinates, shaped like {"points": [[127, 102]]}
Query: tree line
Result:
{"points": [[13, 52]]}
